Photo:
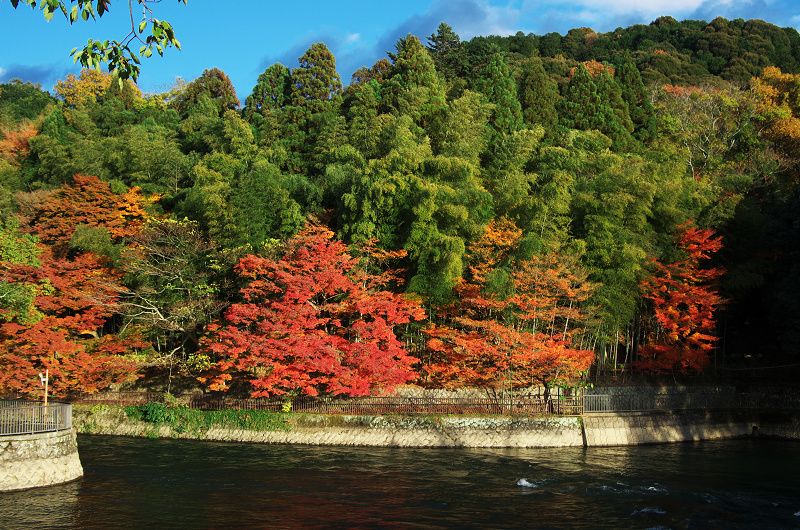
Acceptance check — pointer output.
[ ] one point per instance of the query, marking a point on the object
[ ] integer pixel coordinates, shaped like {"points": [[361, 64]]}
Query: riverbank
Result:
{"points": [[454, 431]]}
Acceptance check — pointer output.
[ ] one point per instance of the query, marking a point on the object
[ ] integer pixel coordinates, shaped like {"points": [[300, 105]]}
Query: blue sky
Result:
{"points": [[246, 36]]}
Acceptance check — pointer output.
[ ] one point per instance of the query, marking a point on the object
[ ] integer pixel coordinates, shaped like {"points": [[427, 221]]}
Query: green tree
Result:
{"points": [[538, 95], [21, 101], [500, 90], [215, 85], [447, 51], [316, 80], [273, 91], [640, 109], [580, 107], [617, 123], [414, 88]]}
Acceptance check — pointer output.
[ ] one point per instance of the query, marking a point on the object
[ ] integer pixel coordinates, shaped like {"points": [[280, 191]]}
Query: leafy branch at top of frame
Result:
{"points": [[121, 59]]}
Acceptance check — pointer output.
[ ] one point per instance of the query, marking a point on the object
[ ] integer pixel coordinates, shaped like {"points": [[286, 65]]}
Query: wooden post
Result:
{"points": [[46, 382]]}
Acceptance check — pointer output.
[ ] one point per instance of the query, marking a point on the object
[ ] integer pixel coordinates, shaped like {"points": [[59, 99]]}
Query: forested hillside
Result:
{"points": [[497, 213]]}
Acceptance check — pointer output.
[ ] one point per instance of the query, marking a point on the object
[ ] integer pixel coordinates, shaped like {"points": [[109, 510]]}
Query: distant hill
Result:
{"points": [[665, 51]]}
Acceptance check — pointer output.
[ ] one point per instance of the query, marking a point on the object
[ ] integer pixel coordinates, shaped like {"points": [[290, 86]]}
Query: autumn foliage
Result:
{"points": [[63, 328], [15, 144], [313, 321], [87, 201], [492, 339], [684, 297]]}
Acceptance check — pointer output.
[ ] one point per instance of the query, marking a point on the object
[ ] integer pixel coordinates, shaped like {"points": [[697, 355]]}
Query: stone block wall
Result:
{"points": [[32, 460], [385, 431]]}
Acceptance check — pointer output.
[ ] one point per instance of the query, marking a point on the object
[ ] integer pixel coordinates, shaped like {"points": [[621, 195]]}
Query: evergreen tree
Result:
{"points": [[414, 88], [500, 90], [634, 93], [273, 91], [538, 95], [617, 121], [447, 51], [581, 103], [215, 85], [316, 80]]}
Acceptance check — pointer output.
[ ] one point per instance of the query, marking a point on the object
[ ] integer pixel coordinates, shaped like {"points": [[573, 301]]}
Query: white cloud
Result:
{"points": [[653, 8], [2, 72]]}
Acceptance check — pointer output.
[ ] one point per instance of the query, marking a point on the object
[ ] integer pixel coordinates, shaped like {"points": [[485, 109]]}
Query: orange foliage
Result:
{"points": [[488, 340], [680, 92], [15, 145], [595, 69], [88, 201]]}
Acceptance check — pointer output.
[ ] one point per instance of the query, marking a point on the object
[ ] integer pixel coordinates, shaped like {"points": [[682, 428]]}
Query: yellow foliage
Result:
{"points": [[779, 107], [89, 88]]}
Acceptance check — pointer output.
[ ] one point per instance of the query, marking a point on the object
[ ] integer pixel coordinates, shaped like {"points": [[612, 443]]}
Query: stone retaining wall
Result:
{"points": [[31, 460], [456, 431], [388, 431]]}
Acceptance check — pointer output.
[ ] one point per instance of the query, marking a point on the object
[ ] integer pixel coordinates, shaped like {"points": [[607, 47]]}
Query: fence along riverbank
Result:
{"points": [[559, 405]]}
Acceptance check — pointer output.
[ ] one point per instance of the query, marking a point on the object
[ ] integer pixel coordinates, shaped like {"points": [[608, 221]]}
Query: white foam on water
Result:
{"points": [[525, 484], [649, 509]]}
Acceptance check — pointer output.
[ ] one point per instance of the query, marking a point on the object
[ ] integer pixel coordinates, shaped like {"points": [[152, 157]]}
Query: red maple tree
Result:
{"points": [[63, 330], [684, 296], [313, 321]]}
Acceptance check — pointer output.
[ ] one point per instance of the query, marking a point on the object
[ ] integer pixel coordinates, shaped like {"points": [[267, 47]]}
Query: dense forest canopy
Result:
{"points": [[500, 212]]}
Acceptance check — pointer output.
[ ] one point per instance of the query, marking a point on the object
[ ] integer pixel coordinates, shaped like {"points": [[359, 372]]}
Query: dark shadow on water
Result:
{"points": [[143, 483]]}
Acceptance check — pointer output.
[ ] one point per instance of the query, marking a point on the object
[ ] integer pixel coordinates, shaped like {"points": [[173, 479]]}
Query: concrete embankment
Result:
{"points": [[33, 460], [457, 431]]}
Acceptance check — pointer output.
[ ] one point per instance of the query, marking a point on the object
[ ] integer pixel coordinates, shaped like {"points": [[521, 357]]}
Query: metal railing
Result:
{"points": [[30, 417], [530, 406], [669, 402], [371, 405]]}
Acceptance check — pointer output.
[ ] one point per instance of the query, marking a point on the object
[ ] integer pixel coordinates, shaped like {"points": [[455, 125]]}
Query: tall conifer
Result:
{"points": [[640, 109], [538, 95]]}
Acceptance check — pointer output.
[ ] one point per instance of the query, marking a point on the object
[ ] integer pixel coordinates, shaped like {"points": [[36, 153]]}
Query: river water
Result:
{"points": [[146, 483]]}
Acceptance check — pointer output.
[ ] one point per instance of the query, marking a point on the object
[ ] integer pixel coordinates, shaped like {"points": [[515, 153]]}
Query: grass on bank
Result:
{"points": [[183, 419]]}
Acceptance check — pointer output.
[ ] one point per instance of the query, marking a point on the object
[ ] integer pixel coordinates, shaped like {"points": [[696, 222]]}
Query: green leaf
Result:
{"points": [[85, 15], [48, 15], [73, 15], [142, 25]]}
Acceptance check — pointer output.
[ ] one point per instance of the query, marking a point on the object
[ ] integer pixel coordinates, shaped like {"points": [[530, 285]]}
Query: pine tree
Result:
{"points": [[617, 121], [414, 88], [580, 105], [447, 51]]}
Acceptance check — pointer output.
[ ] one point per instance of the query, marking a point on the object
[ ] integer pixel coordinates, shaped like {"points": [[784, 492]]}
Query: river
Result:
{"points": [[151, 483]]}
